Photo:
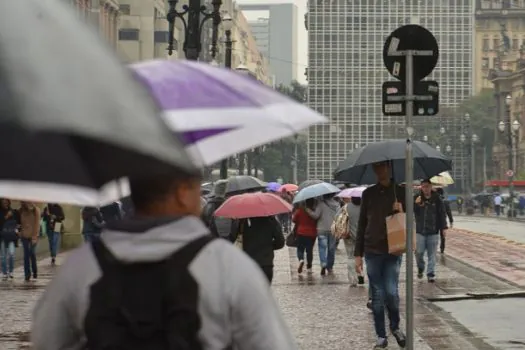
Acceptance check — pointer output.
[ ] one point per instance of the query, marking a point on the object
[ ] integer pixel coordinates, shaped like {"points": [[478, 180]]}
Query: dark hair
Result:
{"points": [[355, 200], [310, 203], [148, 190], [440, 191], [426, 181]]}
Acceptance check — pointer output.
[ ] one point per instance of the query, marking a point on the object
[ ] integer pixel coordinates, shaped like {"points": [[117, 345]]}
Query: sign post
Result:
{"points": [[419, 49]]}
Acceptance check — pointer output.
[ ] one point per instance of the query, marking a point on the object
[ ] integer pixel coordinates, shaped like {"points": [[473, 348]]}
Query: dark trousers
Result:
{"points": [[442, 242], [305, 244], [268, 272], [29, 258]]}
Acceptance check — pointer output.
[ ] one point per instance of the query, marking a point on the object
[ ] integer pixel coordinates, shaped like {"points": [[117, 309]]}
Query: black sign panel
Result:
{"points": [[426, 98], [410, 37]]}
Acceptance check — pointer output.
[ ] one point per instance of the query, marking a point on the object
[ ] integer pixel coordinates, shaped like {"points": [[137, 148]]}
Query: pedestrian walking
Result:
{"points": [[53, 217], [377, 203], [324, 213], [498, 202], [448, 211], [429, 212], [176, 283], [353, 208], [219, 226], [259, 237], [9, 224], [306, 234], [92, 224], [29, 230]]}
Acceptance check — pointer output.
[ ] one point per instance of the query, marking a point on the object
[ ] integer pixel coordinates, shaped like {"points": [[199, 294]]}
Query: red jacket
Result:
{"points": [[306, 226]]}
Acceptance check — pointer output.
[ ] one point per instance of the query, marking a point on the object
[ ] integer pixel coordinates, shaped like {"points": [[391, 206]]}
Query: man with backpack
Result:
{"points": [[159, 281]]}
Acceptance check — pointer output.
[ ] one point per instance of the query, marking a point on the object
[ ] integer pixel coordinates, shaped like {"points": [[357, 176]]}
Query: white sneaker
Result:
{"points": [[4, 277], [309, 271]]}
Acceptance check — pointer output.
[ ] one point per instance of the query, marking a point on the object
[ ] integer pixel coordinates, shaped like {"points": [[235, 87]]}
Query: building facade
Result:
{"points": [[345, 70], [276, 38]]}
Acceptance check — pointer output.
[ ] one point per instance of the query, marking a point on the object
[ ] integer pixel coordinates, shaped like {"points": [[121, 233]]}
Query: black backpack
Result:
{"points": [[150, 306]]}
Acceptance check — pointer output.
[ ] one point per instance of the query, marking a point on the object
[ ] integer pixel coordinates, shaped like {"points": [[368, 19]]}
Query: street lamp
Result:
{"points": [[512, 143], [438, 148], [227, 24], [193, 26], [425, 138], [448, 149], [442, 130]]}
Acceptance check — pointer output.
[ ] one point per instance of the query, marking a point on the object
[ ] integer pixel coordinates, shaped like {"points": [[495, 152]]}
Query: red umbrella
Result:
{"points": [[252, 205], [289, 188]]}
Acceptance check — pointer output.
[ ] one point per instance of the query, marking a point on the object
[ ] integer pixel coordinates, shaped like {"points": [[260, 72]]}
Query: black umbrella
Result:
{"points": [[357, 168], [244, 183], [308, 183], [70, 112]]}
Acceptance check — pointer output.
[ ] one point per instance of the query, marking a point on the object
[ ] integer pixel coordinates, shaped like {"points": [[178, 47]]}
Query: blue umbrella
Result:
{"points": [[314, 191], [273, 186]]}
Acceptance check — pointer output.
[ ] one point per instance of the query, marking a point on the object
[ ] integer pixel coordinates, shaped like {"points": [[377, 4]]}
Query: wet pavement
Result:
{"points": [[511, 230]]}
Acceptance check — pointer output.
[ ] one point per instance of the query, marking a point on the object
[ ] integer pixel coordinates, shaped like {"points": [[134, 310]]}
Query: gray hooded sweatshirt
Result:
{"points": [[236, 303], [324, 213]]}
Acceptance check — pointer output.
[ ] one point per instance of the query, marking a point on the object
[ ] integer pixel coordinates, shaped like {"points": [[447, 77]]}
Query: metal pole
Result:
{"points": [[484, 167], [511, 159], [409, 199], [472, 165], [295, 159], [227, 64]]}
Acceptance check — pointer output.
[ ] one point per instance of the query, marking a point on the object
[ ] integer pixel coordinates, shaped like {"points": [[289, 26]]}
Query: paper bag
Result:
{"points": [[397, 234], [57, 227]]}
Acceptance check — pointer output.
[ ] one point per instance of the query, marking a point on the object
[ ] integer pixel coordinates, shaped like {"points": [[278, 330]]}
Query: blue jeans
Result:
{"points": [[327, 244], [7, 255], [29, 258], [53, 239], [383, 276], [428, 244], [305, 244]]}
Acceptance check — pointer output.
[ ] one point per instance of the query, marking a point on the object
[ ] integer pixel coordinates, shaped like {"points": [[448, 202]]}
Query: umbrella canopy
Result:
{"points": [[220, 112], [308, 183], [357, 168], [251, 205], [73, 117], [315, 191], [355, 192], [443, 179], [243, 183], [273, 186], [289, 188]]}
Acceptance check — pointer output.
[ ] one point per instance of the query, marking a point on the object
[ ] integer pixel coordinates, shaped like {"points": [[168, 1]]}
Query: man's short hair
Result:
{"points": [[147, 190], [426, 181]]}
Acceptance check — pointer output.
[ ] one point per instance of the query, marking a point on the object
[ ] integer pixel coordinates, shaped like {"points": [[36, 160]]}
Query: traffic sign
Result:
{"points": [[414, 38], [426, 98], [510, 173]]}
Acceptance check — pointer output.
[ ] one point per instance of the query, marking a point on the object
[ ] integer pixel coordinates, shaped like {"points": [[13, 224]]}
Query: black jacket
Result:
{"points": [[430, 215], [261, 236]]}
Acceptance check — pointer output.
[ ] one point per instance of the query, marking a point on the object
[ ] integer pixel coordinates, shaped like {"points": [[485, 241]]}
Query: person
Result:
{"points": [[112, 211], [459, 201], [429, 212], [498, 201], [378, 202], [259, 237], [219, 226], [448, 211], [324, 213], [29, 230], [352, 207], [53, 217], [285, 218], [164, 252], [306, 234], [9, 223], [92, 224]]}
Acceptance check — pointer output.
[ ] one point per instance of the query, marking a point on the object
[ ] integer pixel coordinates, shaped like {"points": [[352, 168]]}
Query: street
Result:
{"points": [[325, 313]]}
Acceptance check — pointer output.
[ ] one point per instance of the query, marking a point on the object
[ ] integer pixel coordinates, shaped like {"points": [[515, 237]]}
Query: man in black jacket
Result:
{"points": [[448, 211], [430, 217]]}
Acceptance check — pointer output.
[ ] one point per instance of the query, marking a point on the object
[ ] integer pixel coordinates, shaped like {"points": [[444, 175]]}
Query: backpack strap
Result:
{"points": [[186, 254]]}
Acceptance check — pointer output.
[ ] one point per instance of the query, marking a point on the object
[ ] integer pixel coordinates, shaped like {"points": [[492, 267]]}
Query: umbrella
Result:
{"points": [[315, 191], [357, 168], [273, 186], [352, 192], [443, 179], [72, 120], [221, 112], [251, 205], [289, 188], [243, 183], [308, 183]]}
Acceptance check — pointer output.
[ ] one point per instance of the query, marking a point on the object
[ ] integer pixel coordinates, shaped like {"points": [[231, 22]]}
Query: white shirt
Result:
{"points": [[497, 200]]}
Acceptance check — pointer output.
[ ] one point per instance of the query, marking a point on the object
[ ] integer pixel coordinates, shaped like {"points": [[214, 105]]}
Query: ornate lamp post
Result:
{"points": [[227, 24], [512, 130], [193, 26]]}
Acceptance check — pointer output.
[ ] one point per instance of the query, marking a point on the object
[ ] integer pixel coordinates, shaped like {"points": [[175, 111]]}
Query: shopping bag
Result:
{"points": [[397, 234]]}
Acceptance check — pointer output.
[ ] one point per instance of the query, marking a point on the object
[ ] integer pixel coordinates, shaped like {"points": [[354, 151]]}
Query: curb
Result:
{"points": [[476, 296]]}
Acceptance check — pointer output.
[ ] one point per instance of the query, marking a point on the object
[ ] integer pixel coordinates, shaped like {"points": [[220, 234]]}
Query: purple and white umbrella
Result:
{"points": [[352, 192], [220, 112]]}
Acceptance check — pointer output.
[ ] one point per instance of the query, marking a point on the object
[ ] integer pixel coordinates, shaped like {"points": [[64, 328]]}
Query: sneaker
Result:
{"points": [[4, 278], [323, 271], [300, 268], [381, 343], [330, 271], [420, 273], [11, 276], [360, 280], [369, 304], [27, 278], [400, 338], [53, 262], [35, 276], [431, 278], [309, 270]]}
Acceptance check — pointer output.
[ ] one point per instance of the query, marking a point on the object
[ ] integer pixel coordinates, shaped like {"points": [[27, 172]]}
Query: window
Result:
{"points": [[495, 44], [125, 9], [486, 44], [128, 34], [485, 63], [161, 36]]}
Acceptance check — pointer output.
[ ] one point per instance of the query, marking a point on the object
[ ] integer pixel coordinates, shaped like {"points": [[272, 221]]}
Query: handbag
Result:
{"points": [[291, 239]]}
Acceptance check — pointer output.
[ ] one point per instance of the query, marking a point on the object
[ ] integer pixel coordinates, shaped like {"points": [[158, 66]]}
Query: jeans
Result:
{"points": [[428, 243], [53, 239], [327, 244], [305, 244], [352, 274], [383, 275], [7, 255], [90, 237], [29, 258]]}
